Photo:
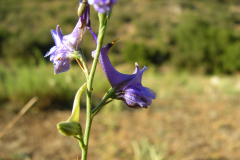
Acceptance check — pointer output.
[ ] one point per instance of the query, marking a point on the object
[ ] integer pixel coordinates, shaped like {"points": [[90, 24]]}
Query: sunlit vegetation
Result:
{"points": [[190, 36]]}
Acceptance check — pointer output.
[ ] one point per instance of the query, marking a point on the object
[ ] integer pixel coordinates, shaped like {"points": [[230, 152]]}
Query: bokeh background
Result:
{"points": [[191, 49]]}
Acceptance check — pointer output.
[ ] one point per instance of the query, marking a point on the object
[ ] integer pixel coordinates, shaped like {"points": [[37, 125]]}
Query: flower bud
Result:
{"points": [[102, 6], [69, 128]]}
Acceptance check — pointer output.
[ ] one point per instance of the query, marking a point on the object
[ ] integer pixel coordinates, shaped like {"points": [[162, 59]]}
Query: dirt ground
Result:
{"points": [[188, 127]]}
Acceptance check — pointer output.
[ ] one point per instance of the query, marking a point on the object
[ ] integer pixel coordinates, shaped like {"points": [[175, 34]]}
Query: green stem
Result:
{"points": [[84, 153], [88, 121], [80, 141], [102, 103], [103, 19]]}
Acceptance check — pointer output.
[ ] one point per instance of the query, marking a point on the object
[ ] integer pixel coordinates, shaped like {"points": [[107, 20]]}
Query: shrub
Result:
{"points": [[201, 45]]}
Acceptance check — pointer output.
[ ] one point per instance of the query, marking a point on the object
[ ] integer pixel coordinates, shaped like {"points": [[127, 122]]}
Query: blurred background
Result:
{"points": [[191, 49]]}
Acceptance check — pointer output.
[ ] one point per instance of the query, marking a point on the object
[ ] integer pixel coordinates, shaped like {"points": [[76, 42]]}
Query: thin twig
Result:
{"points": [[84, 67], [80, 64], [18, 116]]}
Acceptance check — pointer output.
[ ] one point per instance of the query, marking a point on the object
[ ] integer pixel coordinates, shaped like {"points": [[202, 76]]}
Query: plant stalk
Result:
{"points": [[103, 19]]}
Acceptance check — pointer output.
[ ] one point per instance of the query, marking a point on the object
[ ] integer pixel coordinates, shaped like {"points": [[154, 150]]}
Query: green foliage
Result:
{"points": [[205, 42], [134, 52], [192, 35], [188, 35], [202, 45], [230, 58], [19, 83]]}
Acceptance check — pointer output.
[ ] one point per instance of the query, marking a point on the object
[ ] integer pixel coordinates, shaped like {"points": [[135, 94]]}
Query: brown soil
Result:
{"points": [[192, 128]]}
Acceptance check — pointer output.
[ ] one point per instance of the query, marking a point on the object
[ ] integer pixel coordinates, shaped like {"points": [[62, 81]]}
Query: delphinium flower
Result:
{"points": [[102, 6], [128, 88], [66, 45]]}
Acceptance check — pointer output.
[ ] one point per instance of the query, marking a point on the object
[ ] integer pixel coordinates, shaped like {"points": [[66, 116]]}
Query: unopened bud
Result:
{"points": [[82, 7], [69, 128]]}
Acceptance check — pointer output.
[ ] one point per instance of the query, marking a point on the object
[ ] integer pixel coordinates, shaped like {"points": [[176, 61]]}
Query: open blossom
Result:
{"points": [[128, 88], [65, 45], [102, 6]]}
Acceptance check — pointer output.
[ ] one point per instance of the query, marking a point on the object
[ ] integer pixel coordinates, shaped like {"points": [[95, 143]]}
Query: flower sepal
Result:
{"points": [[111, 92], [75, 55]]}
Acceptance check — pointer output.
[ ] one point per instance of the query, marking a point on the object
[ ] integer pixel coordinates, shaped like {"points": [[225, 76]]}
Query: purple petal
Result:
{"points": [[137, 91], [134, 97], [133, 101], [57, 35], [74, 40], [148, 92], [131, 104], [59, 32], [52, 50], [138, 78], [101, 9], [65, 45], [58, 52], [102, 6], [93, 34], [62, 65], [113, 76], [128, 87]]}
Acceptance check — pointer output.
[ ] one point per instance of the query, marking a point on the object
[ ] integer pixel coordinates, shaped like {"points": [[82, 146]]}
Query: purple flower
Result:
{"points": [[66, 45], [102, 6], [128, 88]]}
